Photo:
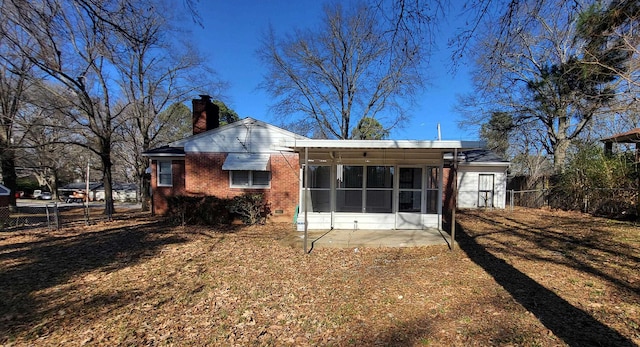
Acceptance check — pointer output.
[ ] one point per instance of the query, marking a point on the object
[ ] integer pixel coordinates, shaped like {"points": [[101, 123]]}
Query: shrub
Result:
{"points": [[205, 210], [252, 208]]}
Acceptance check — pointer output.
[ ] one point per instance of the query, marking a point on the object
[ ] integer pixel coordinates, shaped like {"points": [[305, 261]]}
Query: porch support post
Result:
{"points": [[455, 199], [305, 185]]}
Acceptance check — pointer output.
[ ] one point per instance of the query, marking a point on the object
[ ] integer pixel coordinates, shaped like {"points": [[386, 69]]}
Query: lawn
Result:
{"points": [[521, 278]]}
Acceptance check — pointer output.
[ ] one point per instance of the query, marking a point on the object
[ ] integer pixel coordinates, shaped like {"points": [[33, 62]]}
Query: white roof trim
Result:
{"points": [[245, 161], [386, 144], [486, 163]]}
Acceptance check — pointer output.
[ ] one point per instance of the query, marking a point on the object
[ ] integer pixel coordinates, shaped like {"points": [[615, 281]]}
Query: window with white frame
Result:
{"points": [[165, 173], [250, 179]]}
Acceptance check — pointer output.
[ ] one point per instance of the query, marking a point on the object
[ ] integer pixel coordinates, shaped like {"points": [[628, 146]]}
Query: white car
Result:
{"points": [[45, 196]]}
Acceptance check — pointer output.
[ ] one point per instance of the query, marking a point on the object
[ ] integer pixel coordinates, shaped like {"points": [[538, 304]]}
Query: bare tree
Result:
{"points": [[350, 68], [155, 73], [90, 49], [14, 80], [540, 76]]}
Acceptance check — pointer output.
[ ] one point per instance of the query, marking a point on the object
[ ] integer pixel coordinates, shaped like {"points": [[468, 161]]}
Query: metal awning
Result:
{"points": [[246, 162]]}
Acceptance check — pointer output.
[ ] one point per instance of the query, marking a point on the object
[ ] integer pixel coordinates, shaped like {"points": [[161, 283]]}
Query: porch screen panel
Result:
{"points": [[320, 188], [349, 188], [410, 194], [379, 192], [432, 189]]}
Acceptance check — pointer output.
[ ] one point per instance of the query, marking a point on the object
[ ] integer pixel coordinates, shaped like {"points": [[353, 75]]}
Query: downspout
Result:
{"points": [[305, 185], [455, 199]]}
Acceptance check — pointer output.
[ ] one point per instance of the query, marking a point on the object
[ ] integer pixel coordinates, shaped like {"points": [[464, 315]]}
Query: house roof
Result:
{"points": [[80, 186], [477, 157], [631, 136], [482, 156], [164, 151]]}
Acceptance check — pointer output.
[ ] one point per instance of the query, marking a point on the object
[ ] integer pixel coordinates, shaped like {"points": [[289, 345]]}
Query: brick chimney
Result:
{"points": [[206, 115]]}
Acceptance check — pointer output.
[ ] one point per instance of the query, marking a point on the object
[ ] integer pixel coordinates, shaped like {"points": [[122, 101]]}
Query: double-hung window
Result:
{"points": [[250, 179], [165, 174]]}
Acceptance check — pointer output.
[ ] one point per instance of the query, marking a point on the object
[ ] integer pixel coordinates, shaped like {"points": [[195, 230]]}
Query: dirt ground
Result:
{"points": [[522, 278]]}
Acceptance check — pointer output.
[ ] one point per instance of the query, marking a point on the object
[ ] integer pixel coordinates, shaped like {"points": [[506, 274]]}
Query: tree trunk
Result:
{"points": [[560, 142], [145, 185], [560, 155], [9, 175], [107, 182]]}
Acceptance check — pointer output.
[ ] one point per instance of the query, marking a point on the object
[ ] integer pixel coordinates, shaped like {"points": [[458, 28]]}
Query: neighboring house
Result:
{"points": [[123, 192], [375, 184], [79, 187]]}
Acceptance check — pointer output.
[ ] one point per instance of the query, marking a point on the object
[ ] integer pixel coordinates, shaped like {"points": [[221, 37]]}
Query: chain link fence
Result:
{"points": [[51, 215], [30, 217], [608, 202]]}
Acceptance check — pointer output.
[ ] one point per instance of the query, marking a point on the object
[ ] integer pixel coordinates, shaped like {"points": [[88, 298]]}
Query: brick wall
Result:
{"points": [[201, 174], [160, 194]]}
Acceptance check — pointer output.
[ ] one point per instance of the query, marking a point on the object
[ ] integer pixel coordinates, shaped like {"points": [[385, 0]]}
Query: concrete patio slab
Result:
{"points": [[373, 238]]}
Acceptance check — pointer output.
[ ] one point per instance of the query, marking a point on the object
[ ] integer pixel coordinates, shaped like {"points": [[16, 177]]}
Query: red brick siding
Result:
{"points": [[447, 192], [160, 194], [204, 176]]}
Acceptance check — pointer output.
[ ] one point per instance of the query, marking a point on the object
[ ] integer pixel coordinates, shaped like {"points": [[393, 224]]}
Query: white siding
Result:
{"points": [[468, 183], [248, 136]]}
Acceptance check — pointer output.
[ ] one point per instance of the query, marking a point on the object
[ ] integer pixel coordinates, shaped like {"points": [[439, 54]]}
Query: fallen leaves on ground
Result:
{"points": [[521, 278]]}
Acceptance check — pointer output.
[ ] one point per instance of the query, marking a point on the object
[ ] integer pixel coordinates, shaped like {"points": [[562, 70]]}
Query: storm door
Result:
{"points": [[409, 215]]}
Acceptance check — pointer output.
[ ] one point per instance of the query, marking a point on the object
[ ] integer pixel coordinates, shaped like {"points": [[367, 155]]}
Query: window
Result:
{"points": [[349, 188], [410, 189], [320, 188], [379, 192], [432, 184], [485, 190], [165, 174], [250, 179]]}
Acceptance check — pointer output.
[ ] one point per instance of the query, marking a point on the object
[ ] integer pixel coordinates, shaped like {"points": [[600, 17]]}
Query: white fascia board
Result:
{"points": [[385, 144], [162, 155], [486, 163]]}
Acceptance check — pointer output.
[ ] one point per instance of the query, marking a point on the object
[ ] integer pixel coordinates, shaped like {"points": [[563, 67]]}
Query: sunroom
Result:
{"points": [[373, 184]]}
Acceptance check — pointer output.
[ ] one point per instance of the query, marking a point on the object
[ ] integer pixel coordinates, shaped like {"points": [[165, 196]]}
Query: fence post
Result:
{"points": [[511, 199]]}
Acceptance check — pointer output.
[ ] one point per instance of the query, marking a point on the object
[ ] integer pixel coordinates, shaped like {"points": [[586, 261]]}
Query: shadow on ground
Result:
{"points": [[35, 266], [572, 325]]}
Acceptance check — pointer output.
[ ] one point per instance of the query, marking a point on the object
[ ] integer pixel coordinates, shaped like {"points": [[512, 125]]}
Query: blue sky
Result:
{"points": [[231, 35]]}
